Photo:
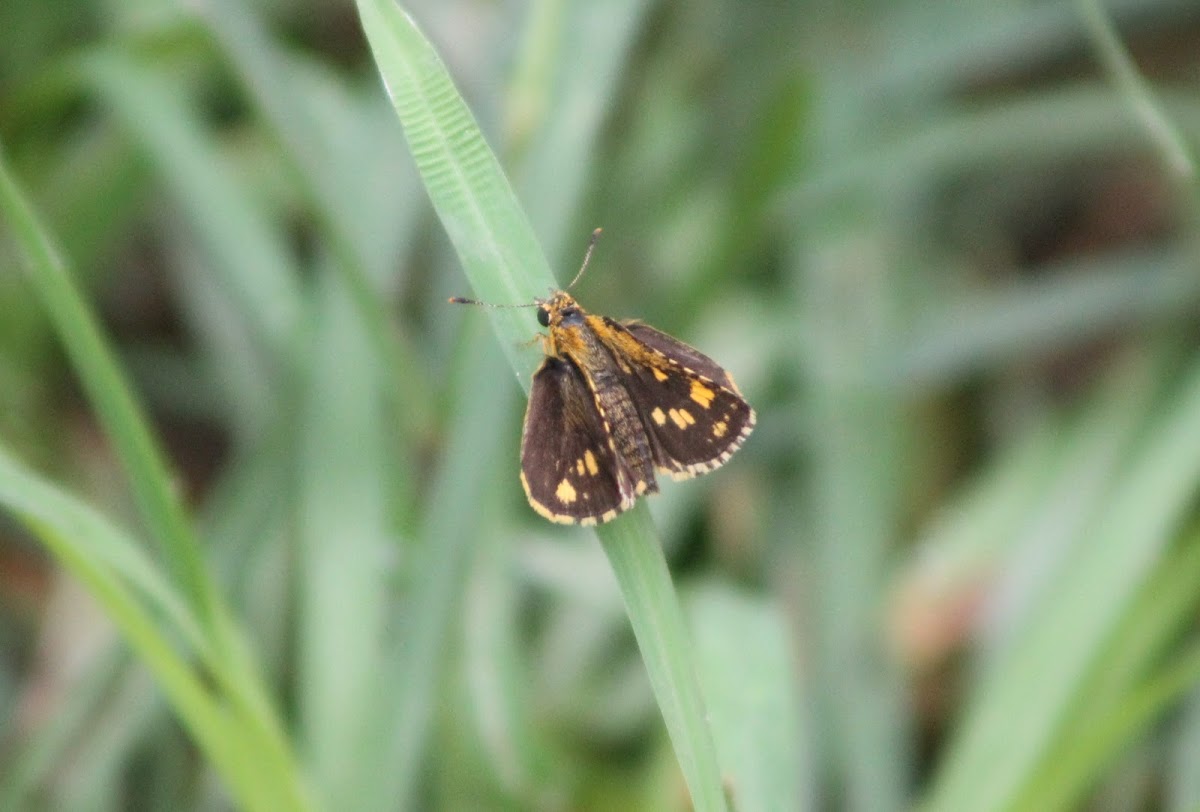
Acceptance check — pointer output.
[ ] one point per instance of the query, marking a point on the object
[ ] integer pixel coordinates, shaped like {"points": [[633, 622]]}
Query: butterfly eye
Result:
{"points": [[543, 317]]}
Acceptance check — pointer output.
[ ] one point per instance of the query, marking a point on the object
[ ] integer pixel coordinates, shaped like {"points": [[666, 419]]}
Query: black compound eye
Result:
{"points": [[543, 317]]}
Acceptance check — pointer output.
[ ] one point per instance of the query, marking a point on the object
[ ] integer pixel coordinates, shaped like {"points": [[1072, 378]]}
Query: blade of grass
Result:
{"points": [[344, 543], [1063, 786], [1171, 146], [1091, 456], [246, 254], [106, 387], [859, 457], [562, 101], [43, 749], [1042, 126], [997, 748], [147, 471], [1069, 303], [658, 624], [750, 679], [473, 199], [334, 192], [415, 663], [252, 263], [238, 745], [504, 264], [1114, 708], [563, 86]]}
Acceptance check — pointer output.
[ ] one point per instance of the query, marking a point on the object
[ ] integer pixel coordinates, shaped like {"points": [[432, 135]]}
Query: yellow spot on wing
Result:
{"points": [[592, 467], [658, 416], [719, 429], [542, 510], [681, 418], [659, 374], [565, 493], [579, 466], [702, 394]]}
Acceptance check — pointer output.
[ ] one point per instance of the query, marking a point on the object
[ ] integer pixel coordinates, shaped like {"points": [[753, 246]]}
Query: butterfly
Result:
{"points": [[613, 405]]}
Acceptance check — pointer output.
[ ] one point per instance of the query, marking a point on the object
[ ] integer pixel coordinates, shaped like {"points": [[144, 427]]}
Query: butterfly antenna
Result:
{"points": [[587, 257], [464, 300]]}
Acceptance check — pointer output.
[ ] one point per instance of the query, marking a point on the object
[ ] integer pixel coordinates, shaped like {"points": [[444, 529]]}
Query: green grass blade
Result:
{"points": [[1066, 780], [749, 675], [333, 177], [237, 744], [162, 512], [1115, 708], [343, 545], [38, 755], [860, 453], [415, 666], [107, 389], [504, 264], [473, 199], [561, 100], [996, 751], [658, 624], [1066, 304], [567, 78], [1167, 140], [246, 254]]}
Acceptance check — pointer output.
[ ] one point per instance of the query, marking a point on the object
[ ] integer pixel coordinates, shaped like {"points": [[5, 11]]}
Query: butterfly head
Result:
{"points": [[559, 310]]}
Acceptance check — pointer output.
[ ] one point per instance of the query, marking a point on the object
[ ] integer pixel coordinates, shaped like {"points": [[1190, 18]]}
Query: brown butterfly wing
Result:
{"points": [[569, 469], [691, 408]]}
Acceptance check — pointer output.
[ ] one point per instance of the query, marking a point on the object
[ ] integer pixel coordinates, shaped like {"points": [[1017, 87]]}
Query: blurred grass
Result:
{"points": [[949, 252]]}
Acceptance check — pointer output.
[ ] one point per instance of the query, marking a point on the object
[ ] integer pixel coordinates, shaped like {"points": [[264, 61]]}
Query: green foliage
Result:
{"points": [[955, 567]]}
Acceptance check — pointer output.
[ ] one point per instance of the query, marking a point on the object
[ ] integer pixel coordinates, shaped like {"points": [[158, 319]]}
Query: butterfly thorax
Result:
{"points": [[579, 338]]}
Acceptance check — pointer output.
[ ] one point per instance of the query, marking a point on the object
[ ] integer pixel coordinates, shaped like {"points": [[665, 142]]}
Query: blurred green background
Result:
{"points": [[949, 250]]}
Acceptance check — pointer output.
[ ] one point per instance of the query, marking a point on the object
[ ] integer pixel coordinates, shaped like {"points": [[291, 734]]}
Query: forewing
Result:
{"points": [[685, 355], [692, 410], [569, 469]]}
